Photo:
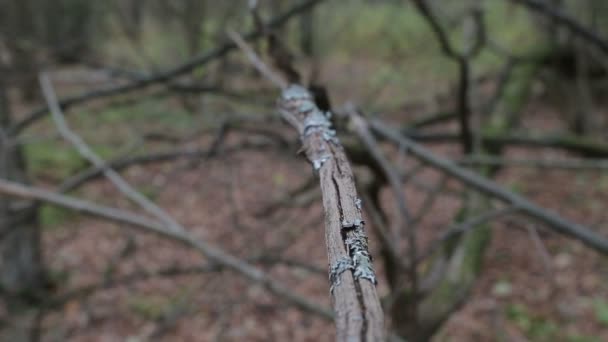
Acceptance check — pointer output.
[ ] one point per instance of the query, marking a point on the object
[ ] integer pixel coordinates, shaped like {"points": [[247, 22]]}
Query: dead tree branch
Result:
{"points": [[356, 303], [585, 147], [86, 152], [214, 254], [121, 163], [571, 24], [490, 188], [169, 227], [359, 316], [273, 77], [574, 165]]}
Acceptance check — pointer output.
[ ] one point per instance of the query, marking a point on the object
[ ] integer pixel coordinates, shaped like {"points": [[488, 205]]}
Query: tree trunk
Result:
{"points": [[21, 269]]}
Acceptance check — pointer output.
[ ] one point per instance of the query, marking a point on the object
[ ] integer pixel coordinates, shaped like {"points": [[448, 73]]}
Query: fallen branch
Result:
{"points": [[87, 153], [359, 316]]}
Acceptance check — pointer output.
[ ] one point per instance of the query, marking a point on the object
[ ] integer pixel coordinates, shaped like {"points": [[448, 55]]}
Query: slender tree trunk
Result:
{"points": [[21, 269], [19, 27]]}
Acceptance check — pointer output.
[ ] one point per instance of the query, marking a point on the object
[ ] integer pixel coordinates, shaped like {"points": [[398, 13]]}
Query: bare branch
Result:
{"points": [[121, 163], [574, 165], [359, 316], [86, 152], [356, 302], [490, 188], [215, 254], [582, 146], [574, 26], [170, 228], [255, 60]]}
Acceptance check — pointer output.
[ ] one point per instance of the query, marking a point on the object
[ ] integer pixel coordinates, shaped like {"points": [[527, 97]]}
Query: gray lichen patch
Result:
{"points": [[316, 121], [336, 270], [358, 203], [295, 92], [361, 259], [363, 267], [329, 135], [310, 120]]}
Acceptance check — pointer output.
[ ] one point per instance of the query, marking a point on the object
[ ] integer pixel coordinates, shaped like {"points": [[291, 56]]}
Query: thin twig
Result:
{"points": [[86, 152], [256, 61]]}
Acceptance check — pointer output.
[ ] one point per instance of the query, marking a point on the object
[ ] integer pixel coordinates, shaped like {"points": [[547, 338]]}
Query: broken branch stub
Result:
{"points": [[359, 316]]}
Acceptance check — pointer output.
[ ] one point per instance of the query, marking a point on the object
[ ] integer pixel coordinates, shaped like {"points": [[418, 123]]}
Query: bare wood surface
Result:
{"points": [[358, 313]]}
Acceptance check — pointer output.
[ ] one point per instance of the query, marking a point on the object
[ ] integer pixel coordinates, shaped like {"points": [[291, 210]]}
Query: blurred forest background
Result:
{"points": [[154, 96]]}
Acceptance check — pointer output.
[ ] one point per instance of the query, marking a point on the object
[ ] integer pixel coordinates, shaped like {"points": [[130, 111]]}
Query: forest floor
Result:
{"points": [[535, 285]]}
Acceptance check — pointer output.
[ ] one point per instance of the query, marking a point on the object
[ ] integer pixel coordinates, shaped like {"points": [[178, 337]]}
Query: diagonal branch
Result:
{"points": [[570, 23], [86, 152], [490, 188], [359, 315], [145, 224]]}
